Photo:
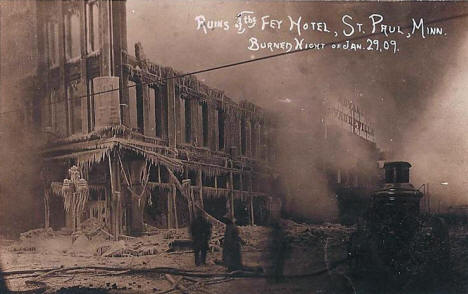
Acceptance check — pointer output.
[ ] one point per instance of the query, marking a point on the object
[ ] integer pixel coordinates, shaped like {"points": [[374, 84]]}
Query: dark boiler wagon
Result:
{"points": [[397, 247]]}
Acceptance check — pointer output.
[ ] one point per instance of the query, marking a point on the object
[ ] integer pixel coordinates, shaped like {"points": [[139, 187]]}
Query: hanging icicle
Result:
{"points": [[75, 191]]}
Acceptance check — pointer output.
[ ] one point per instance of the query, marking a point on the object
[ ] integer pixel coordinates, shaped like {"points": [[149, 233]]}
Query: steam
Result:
{"points": [[394, 90], [438, 144], [20, 188], [416, 98], [298, 144]]}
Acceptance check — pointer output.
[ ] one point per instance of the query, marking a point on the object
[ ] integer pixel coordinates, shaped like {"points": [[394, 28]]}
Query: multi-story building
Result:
{"points": [[150, 143], [352, 156], [326, 154]]}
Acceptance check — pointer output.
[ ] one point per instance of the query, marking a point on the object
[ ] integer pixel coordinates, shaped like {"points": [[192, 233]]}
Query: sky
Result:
{"points": [[415, 97], [381, 83]]}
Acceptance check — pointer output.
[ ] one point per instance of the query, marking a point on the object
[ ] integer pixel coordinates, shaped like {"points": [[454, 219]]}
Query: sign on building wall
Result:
{"points": [[106, 101], [347, 115]]}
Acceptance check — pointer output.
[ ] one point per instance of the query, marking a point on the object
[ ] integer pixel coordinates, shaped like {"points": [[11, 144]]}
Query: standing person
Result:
{"points": [[232, 247], [278, 251], [3, 285], [200, 230]]}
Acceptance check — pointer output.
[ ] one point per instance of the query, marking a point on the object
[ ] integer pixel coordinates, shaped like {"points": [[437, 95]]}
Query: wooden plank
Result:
{"points": [[179, 186]]}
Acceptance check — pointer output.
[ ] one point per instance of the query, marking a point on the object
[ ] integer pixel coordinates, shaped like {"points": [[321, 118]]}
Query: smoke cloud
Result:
{"points": [[395, 90], [438, 144], [20, 190]]}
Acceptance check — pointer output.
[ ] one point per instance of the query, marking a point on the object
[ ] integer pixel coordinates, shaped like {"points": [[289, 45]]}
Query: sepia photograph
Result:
{"points": [[233, 147]]}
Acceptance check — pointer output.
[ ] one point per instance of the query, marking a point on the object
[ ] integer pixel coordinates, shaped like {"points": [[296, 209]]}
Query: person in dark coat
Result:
{"points": [[200, 230], [3, 284], [279, 250], [232, 247]]}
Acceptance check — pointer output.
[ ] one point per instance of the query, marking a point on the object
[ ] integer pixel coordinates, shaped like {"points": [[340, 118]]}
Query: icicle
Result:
{"points": [[150, 201]]}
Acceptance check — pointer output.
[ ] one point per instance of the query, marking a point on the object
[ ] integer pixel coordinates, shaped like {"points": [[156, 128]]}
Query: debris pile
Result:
{"points": [[254, 236], [159, 241], [29, 240], [37, 234], [92, 228], [125, 249], [310, 235]]}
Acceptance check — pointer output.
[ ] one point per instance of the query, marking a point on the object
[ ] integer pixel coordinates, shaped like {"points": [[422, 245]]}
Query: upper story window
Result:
{"points": [[243, 137], [72, 34], [92, 26], [53, 43], [47, 111], [205, 128], [74, 108], [221, 118]]}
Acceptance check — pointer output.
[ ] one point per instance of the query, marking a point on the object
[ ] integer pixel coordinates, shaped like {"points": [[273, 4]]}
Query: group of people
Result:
{"points": [[200, 230]]}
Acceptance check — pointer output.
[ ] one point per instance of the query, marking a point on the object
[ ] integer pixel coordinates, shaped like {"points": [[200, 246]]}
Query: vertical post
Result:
{"points": [[252, 215], [248, 138], [62, 93], [194, 124], [170, 210], [85, 103], [174, 199], [73, 212], [115, 196], [214, 140], [159, 173], [200, 186], [46, 209], [186, 185], [231, 194], [252, 220], [428, 199], [77, 214], [105, 35], [171, 129], [179, 120], [241, 181], [119, 45]]}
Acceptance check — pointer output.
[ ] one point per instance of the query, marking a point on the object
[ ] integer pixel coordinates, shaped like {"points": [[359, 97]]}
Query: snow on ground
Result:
{"points": [[47, 249]]}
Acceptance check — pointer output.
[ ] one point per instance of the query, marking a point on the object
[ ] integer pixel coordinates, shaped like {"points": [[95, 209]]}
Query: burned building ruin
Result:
{"points": [[149, 144]]}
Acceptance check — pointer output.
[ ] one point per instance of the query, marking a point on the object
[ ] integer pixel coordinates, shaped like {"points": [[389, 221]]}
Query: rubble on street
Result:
{"points": [[92, 250]]}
